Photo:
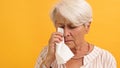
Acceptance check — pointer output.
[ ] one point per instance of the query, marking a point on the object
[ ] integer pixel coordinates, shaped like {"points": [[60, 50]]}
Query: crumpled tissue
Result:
{"points": [[63, 52]]}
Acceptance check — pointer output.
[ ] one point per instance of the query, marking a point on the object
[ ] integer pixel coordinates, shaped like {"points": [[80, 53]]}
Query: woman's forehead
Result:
{"points": [[63, 23], [59, 19]]}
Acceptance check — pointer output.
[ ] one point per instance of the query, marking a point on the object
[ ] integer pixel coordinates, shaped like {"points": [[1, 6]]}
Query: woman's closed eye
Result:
{"points": [[72, 27], [61, 26]]}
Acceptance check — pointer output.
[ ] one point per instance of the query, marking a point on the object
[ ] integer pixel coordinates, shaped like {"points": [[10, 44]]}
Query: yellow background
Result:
{"points": [[25, 28]]}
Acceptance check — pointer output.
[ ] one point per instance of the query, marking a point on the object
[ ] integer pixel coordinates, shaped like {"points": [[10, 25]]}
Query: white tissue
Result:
{"points": [[63, 53]]}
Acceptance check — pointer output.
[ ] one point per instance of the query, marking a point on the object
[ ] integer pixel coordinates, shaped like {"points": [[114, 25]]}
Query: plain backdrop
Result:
{"points": [[25, 28]]}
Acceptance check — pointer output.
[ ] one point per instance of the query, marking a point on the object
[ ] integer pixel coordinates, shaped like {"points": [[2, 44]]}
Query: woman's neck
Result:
{"points": [[81, 50]]}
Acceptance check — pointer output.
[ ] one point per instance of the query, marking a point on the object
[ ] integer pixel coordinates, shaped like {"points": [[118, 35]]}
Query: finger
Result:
{"points": [[56, 40], [58, 33], [59, 37]]}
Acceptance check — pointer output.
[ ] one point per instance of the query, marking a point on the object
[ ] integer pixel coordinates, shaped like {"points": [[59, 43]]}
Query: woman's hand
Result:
{"points": [[56, 37]]}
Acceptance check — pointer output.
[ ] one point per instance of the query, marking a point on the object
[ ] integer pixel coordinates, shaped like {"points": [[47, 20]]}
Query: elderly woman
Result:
{"points": [[75, 17]]}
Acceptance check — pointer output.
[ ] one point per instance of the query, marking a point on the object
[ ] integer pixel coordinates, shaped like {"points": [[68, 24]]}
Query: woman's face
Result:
{"points": [[73, 35]]}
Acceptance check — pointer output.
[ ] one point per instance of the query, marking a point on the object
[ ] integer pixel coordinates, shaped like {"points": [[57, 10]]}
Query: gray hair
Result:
{"points": [[77, 11]]}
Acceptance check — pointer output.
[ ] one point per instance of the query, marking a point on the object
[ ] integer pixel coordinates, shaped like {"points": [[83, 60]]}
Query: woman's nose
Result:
{"points": [[66, 32]]}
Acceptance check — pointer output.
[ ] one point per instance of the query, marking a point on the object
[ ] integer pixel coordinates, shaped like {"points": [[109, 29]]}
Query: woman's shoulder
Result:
{"points": [[103, 52], [44, 51], [106, 56], [41, 56]]}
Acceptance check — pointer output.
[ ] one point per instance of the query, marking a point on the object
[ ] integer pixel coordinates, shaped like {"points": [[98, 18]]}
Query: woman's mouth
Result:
{"points": [[66, 41]]}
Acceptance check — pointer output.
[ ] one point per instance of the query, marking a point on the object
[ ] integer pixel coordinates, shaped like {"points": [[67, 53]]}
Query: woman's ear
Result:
{"points": [[87, 27]]}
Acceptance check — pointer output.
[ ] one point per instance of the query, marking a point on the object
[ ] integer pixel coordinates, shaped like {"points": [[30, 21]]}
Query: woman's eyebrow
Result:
{"points": [[71, 24]]}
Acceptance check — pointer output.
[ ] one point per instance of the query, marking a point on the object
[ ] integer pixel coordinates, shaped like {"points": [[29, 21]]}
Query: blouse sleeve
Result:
{"points": [[41, 57], [109, 60]]}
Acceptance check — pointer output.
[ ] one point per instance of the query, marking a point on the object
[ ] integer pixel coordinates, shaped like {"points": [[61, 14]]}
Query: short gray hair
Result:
{"points": [[77, 11]]}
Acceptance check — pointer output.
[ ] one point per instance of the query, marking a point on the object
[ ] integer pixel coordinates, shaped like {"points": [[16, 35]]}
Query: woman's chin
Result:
{"points": [[70, 45]]}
